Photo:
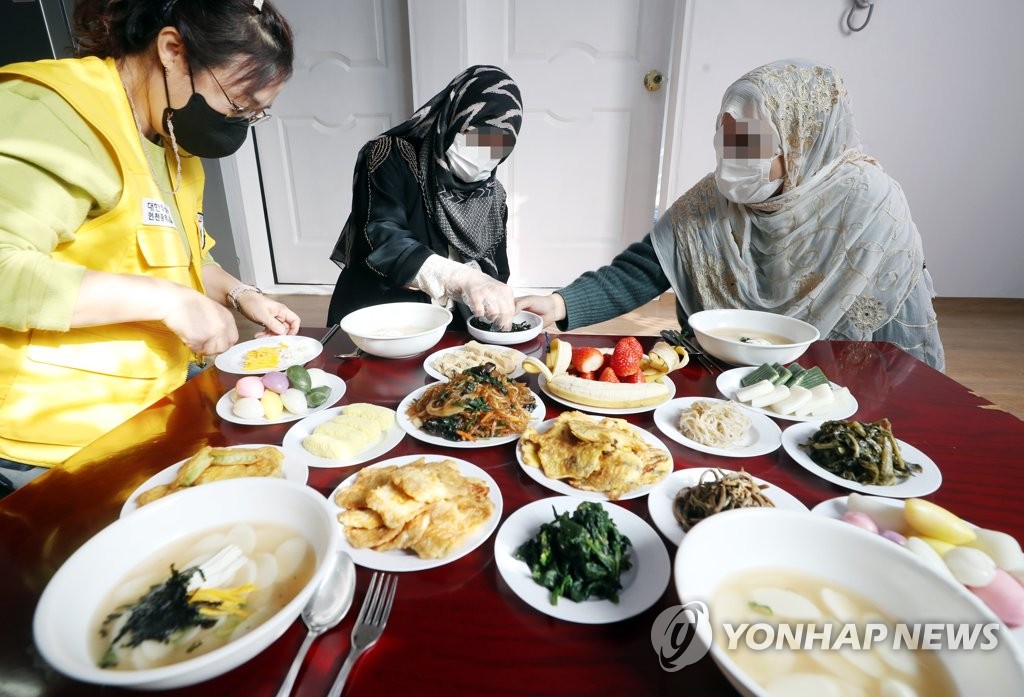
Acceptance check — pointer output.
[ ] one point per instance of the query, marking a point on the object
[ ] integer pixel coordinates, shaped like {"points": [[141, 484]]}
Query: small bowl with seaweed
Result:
{"points": [[525, 326]]}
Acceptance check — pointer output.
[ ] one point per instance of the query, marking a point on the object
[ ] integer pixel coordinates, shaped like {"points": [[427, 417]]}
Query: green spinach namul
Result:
{"points": [[578, 556]]}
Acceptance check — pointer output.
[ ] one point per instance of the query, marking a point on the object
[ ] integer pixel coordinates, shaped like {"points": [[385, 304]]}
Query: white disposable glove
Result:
{"points": [[445, 280]]}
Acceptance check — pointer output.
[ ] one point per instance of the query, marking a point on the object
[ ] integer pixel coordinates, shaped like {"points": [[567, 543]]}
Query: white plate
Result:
{"points": [[336, 384], [659, 503], [608, 410], [835, 508], [294, 470], [428, 363], [763, 436], [301, 349], [402, 560], [921, 484], [563, 487], [642, 585], [729, 382], [299, 432], [406, 424]]}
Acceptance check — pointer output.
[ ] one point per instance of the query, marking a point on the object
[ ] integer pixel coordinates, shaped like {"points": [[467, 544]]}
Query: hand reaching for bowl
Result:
{"points": [[485, 296], [550, 308]]}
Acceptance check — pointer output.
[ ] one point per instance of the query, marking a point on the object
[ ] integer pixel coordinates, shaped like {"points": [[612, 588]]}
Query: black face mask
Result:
{"points": [[202, 130]]}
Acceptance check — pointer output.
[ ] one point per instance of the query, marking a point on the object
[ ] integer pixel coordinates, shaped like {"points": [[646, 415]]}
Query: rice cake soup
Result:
{"points": [[779, 605], [749, 336], [199, 594]]}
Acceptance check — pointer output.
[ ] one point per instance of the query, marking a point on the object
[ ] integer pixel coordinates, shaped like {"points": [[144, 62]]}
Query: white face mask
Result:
{"points": [[746, 179], [470, 163]]}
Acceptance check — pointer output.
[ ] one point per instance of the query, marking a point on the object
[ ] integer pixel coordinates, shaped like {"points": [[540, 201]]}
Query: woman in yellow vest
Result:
{"points": [[109, 291]]}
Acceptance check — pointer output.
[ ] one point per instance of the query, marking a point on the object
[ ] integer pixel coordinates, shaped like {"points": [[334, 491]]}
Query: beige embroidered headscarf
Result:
{"points": [[837, 248]]}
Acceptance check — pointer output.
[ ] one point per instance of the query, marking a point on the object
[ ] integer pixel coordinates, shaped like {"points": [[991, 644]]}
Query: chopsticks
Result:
{"points": [[677, 339], [331, 331]]}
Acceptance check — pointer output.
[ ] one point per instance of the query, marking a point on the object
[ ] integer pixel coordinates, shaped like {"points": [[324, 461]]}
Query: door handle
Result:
{"points": [[653, 80]]}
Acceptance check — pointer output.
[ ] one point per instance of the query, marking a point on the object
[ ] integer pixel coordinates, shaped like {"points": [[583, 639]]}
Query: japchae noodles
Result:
{"points": [[477, 403]]}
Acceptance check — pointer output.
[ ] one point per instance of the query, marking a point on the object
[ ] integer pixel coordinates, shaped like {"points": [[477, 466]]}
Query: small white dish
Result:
{"points": [[428, 362], [563, 487], [300, 350], [927, 481], [507, 338], [609, 411], [660, 500], [403, 420], [763, 436], [337, 385], [292, 442], [402, 560], [293, 470], [642, 584], [729, 382]]}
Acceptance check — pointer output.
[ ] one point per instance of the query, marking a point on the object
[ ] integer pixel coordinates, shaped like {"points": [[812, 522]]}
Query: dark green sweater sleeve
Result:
{"points": [[633, 278]]}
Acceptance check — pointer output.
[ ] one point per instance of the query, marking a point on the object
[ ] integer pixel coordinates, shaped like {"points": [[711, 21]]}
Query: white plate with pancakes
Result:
{"points": [[406, 560], [292, 468], [562, 486], [382, 444]]}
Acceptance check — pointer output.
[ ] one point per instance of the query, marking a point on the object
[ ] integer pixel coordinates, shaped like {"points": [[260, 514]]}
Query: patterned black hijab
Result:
{"points": [[470, 215]]}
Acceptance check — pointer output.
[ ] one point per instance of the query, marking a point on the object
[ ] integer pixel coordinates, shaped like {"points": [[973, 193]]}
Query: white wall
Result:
{"points": [[936, 90]]}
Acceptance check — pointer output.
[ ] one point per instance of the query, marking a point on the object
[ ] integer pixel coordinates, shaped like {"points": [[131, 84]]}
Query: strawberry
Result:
{"points": [[626, 356], [586, 359], [638, 376], [608, 375], [587, 376]]}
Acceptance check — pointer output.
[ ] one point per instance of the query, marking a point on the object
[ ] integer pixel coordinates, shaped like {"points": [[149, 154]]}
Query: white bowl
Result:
{"points": [[396, 330], [66, 613], [897, 583], [508, 338], [799, 334]]}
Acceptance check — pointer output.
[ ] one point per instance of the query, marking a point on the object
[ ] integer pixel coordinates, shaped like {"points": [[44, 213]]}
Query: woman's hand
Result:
{"points": [[275, 317], [203, 325], [551, 308]]}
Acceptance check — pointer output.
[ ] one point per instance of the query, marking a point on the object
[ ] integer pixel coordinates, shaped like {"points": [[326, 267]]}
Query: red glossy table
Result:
{"points": [[458, 629]]}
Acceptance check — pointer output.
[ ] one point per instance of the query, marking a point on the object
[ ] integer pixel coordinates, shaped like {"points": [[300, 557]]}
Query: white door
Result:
{"points": [[583, 178], [351, 82]]}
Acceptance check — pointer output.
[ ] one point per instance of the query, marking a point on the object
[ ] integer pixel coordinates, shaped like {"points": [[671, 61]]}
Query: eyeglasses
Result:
{"points": [[241, 112]]}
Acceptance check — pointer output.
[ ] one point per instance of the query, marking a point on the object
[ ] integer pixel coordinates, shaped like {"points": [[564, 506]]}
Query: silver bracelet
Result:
{"points": [[237, 291]]}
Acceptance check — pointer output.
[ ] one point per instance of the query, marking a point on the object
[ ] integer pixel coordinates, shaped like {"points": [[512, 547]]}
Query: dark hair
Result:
{"points": [[215, 33]]}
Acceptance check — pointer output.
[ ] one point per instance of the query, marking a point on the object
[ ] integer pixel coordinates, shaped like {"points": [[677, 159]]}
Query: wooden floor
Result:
{"points": [[983, 337]]}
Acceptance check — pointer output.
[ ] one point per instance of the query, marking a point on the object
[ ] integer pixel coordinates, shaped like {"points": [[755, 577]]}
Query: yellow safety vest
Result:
{"points": [[59, 391]]}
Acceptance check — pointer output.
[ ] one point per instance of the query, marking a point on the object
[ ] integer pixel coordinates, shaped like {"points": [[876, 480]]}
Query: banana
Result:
{"points": [[559, 356], [664, 357], [596, 393]]}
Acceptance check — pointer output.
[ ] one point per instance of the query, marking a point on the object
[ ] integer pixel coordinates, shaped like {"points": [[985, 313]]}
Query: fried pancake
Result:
{"points": [[355, 496], [393, 505], [361, 538], [605, 455], [261, 468], [390, 509], [420, 481], [410, 533], [157, 492], [361, 518]]}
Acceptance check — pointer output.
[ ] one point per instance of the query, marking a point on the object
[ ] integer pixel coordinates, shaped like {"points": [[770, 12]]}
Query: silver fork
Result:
{"points": [[373, 616]]}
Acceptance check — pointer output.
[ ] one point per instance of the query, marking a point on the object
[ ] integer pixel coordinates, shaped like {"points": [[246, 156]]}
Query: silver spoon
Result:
{"points": [[325, 609]]}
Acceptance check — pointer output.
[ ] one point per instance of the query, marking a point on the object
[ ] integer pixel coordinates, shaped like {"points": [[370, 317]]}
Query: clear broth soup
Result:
{"points": [[782, 597], [278, 562], [750, 336]]}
